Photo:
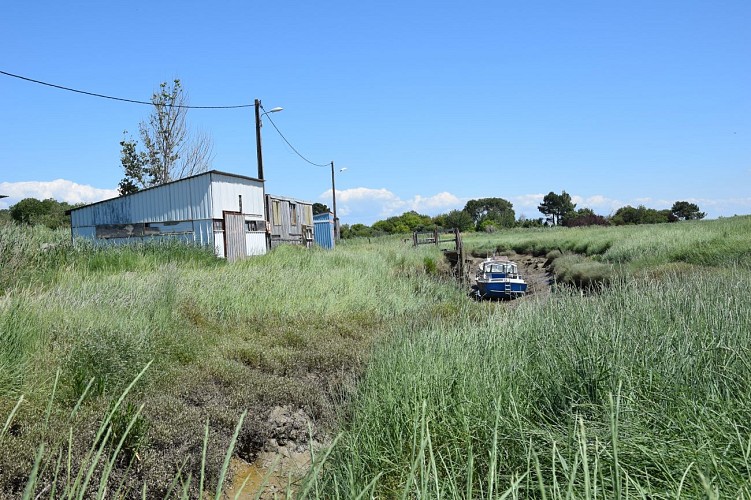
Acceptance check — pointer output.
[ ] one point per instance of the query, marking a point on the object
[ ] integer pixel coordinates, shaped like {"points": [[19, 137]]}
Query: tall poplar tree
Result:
{"points": [[170, 151]]}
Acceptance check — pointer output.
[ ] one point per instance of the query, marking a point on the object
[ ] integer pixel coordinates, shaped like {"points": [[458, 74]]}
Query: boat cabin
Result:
{"points": [[496, 269]]}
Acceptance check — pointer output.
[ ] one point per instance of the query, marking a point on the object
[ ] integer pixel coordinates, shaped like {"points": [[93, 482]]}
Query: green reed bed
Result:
{"points": [[639, 391], [714, 242], [290, 328]]}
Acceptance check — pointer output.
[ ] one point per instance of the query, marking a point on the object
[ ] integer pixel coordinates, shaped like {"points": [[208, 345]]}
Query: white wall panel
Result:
{"points": [[225, 192], [255, 243]]}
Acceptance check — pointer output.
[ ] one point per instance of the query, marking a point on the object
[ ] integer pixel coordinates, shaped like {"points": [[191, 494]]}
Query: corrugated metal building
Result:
{"points": [[324, 230], [291, 221], [217, 209]]}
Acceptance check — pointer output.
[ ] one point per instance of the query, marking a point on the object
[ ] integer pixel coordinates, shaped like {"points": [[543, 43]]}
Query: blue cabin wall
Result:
{"points": [[324, 230]]}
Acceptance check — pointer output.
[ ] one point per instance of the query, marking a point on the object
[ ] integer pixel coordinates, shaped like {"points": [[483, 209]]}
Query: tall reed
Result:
{"points": [[642, 388]]}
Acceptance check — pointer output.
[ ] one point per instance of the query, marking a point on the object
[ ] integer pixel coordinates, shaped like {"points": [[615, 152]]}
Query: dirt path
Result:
{"points": [[532, 270]]}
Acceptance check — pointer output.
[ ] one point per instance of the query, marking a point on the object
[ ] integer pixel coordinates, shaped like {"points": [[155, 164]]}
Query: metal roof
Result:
{"points": [[167, 184], [287, 198]]}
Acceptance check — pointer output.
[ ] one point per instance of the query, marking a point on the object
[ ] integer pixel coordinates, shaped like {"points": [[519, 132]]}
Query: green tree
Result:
{"points": [[556, 207], [585, 217], [320, 208], [384, 226], [28, 211], [497, 211], [641, 215], [49, 212], [360, 230], [405, 223], [684, 210], [458, 219], [170, 151]]}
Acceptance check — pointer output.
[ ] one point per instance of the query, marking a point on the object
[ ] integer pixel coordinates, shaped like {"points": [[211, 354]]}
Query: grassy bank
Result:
{"points": [[595, 255], [79, 323], [642, 388], [719, 242]]}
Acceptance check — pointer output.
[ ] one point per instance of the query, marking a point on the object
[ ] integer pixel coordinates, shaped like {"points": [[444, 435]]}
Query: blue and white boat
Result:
{"points": [[498, 277]]}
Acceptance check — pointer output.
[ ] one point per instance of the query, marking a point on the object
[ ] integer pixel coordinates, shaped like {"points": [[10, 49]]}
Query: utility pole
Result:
{"points": [[258, 139], [333, 197]]}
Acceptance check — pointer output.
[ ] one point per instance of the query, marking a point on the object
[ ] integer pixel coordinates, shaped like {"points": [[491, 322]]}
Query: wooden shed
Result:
{"points": [[217, 209], [290, 221]]}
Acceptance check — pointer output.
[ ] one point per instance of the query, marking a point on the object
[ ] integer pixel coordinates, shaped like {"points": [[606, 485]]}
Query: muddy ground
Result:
{"points": [[285, 456]]}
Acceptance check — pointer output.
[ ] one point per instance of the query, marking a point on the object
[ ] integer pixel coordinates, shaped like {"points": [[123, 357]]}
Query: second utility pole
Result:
{"points": [[333, 197]]}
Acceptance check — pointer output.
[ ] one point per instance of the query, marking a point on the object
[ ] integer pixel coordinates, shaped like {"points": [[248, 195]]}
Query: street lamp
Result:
{"points": [[333, 197], [258, 134]]}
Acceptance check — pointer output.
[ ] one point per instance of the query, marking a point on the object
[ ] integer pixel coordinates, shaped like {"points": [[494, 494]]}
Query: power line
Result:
{"points": [[291, 146], [149, 103]]}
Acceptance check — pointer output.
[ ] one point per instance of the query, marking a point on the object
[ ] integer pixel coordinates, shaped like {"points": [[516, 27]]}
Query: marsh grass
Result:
{"points": [[720, 242], [293, 327], [640, 390], [581, 271], [592, 256], [114, 446]]}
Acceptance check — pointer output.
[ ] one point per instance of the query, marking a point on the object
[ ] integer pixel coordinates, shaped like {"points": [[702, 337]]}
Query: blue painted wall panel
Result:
{"points": [[324, 230]]}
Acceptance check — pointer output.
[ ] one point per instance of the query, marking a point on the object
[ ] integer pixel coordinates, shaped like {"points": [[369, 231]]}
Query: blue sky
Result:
{"points": [[427, 104]]}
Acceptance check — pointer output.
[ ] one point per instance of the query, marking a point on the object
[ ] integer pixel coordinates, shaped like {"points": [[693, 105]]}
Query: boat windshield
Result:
{"points": [[495, 268]]}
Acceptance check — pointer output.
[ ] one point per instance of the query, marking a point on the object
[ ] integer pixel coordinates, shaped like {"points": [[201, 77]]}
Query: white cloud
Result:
{"points": [[366, 205], [440, 202], [59, 189], [526, 202], [599, 203]]}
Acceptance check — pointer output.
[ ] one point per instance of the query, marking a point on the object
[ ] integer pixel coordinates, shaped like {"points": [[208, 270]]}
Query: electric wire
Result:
{"points": [[148, 103], [290, 145]]}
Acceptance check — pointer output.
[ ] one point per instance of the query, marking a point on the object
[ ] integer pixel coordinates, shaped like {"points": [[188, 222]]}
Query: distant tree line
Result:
{"points": [[33, 212], [484, 214], [492, 214]]}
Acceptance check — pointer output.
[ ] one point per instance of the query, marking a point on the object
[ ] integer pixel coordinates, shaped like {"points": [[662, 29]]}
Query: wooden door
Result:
{"points": [[234, 236]]}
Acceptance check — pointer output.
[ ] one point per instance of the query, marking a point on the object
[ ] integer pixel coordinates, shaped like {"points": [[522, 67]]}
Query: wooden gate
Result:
{"points": [[234, 236]]}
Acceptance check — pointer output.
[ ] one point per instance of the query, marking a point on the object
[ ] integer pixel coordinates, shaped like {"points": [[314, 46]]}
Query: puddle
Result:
{"points": [[283, 462], [269, 477]]}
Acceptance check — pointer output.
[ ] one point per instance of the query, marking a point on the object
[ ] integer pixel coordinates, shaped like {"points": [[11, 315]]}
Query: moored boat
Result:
{"points": [[498, 277]]}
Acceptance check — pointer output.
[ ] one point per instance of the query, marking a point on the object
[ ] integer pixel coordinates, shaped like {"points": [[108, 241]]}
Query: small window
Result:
{"points": [[218, 225], [240, 203], [276, 215], [252, 225], [293, 214]]}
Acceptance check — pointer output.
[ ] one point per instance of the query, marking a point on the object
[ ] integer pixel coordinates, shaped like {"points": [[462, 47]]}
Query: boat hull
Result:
{"points": [[502, 289]]}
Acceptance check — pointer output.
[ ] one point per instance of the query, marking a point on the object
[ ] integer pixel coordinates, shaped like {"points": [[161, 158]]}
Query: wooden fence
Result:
{"points": [[455, 255]]}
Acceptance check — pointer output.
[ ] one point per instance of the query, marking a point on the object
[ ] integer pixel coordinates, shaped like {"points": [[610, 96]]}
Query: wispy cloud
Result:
{"points": [[59, 189], [528, 203], [366, 205]]}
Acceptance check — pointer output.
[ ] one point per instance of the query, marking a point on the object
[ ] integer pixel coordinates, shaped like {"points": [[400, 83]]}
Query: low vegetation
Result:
{"points": [[80, 322], [137, 369], [641, 390]]}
